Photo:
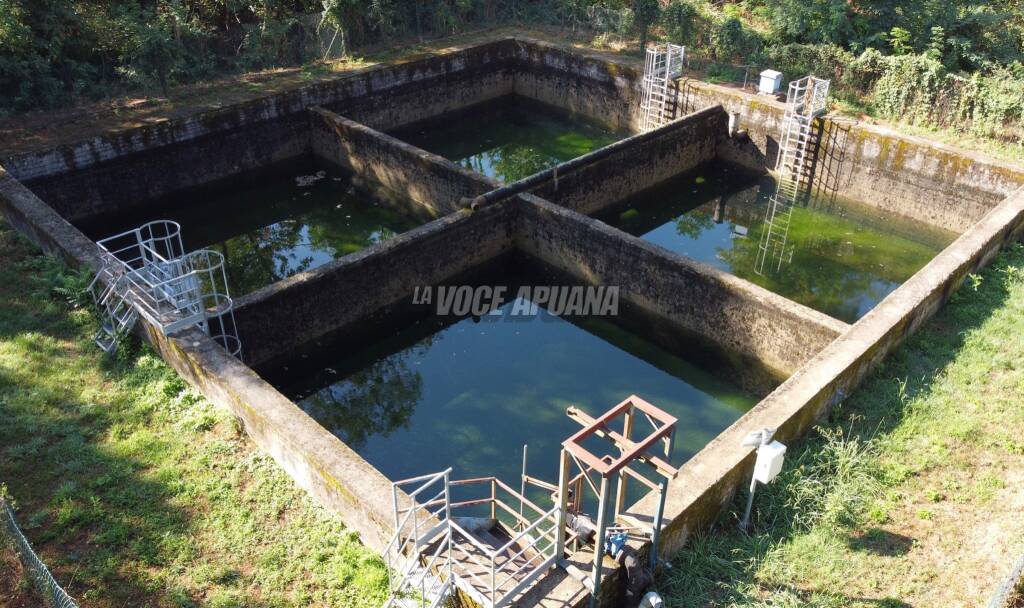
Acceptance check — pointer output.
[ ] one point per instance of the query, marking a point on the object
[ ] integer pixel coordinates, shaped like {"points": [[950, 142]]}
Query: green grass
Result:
{"points": [[133, 488], [909, 494]]}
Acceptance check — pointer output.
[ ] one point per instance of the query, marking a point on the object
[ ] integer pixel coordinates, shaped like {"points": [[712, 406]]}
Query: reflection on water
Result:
{"points": [[509, 138], [841, 258], [439, 392], [287, 218]]}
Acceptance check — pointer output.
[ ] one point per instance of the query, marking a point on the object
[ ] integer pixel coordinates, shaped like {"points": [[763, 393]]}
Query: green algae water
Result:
{"points": [[841, 257], [287, 218], [509, 138], [421, 396]]}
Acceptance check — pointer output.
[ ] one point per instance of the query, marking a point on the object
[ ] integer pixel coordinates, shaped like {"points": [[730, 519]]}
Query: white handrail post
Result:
{"points": [[563, 504]]}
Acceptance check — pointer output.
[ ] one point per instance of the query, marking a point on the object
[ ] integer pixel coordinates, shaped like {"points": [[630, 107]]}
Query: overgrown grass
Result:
{"points": [[910, 493], [134, 489]]}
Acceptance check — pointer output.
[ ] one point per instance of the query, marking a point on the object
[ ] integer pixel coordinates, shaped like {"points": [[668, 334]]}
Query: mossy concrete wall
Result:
{"points": [[727, 309], [468, 77], [594, 181], [910, 176], [602, 90], [734, 314], [130, 181], [421, 176]]}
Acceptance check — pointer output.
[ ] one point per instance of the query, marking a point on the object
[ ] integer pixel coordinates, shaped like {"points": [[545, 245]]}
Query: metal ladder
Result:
{"points": [[807, 99], [657, 103], [146, 273], [419, 555], [118, 314]]}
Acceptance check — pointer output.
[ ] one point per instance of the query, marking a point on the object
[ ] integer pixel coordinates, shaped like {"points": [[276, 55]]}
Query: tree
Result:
{"points": [[814, 21], [646, 14], [680, 21]]}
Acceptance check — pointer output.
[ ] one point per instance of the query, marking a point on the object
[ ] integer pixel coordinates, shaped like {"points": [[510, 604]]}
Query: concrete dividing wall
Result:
{"points": [[311, 304], [591, 182], [728, 311], [708, 481], [426, 178], [910, 176], [602, 90]]}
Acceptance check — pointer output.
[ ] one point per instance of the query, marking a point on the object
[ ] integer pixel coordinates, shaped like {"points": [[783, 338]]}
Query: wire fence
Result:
{"points": [[37, 571]]}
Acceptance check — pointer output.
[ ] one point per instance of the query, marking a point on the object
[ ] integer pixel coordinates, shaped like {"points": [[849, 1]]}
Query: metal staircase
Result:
{"points": [[492, 560], [806, 100], [663, 64], [419, 555], [145, 273]]}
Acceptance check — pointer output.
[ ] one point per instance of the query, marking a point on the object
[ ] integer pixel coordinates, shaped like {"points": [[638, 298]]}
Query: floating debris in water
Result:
{"points": [[629, 214], [700, 180], [305, 181]]}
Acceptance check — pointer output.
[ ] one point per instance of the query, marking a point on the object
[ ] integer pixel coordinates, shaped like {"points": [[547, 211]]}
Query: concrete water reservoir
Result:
{"points": [[421, 391], [842, 258], [545, 216], [286, 218], [510, 137]]}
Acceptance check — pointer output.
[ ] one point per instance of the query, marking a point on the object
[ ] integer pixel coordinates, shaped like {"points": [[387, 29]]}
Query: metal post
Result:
{"points": [[522, 489], [493, 581], [494, 498], [620, 491], [662, 492], [448, 521], [599, 541], [563, 504]]}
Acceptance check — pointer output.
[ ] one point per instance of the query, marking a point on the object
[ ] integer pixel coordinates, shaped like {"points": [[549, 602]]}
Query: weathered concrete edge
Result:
{"points": [[708, 481], [425, 177], [121, 142], [740, 292], [44, 226], [317, 460]]}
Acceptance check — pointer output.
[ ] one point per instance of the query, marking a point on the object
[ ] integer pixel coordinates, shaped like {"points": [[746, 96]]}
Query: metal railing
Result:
{"points": [[413, 566], [662, 64], [147, 271], [431, 552]]}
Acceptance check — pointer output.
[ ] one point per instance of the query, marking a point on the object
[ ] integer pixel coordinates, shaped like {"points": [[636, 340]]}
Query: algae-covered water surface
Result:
{"points": [[421, 396], [841, 257], [509, 138], [285, 219]]}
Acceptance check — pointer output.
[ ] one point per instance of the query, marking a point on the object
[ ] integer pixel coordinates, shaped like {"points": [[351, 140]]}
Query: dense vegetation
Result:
{"points": [[937, 63]]}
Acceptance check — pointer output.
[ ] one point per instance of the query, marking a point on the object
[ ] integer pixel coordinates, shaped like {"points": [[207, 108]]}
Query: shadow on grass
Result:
{"points": [[101, 513], [722, 566], [881, 542]]}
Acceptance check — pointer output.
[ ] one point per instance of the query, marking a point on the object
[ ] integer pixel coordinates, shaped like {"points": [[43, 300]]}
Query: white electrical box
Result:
{"points": [[769, 461], [771, 82]]}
